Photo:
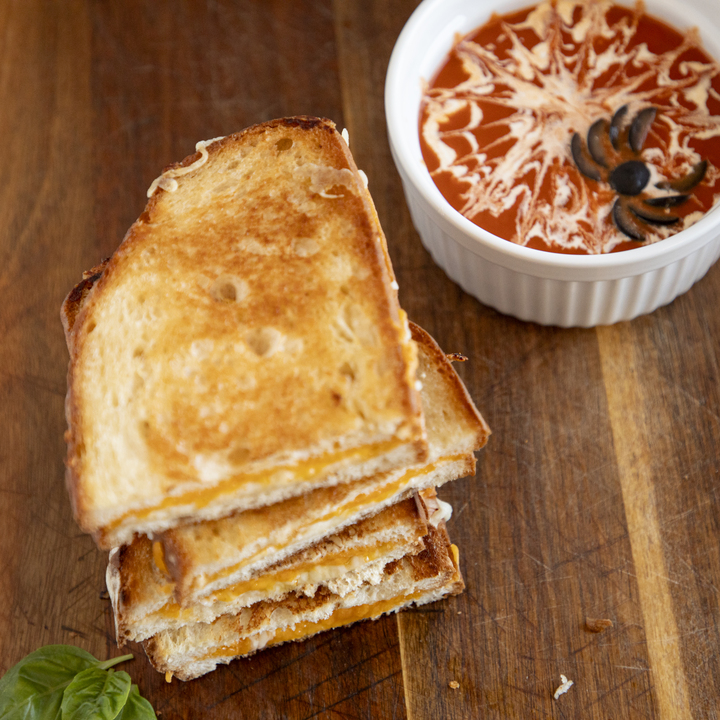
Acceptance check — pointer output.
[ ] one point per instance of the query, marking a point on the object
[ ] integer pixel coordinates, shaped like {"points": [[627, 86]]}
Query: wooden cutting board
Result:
{"points": [[597, 496]]}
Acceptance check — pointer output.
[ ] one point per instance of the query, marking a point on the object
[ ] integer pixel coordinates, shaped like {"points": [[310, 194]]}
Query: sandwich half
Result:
{"points": [[243, 345], [418, 578], [200, 559], [144, 603]]}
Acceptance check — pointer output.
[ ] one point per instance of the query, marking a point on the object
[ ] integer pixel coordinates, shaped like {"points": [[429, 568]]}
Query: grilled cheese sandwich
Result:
{"points": [[243, 345], [255, 429], [198, 648], [144, 601], [202, 558]]}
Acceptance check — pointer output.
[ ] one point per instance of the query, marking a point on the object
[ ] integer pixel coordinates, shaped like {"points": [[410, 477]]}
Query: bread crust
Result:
{"points": [[329, 190], [433, 359]]}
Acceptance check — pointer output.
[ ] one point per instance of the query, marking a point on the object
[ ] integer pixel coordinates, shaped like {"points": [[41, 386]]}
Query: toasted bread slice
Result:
{"points": [[143, 599], [204, 557], [243, 345], [196, 649]]}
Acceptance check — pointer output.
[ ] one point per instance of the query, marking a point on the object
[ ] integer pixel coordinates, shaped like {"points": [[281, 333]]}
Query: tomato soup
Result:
{"points": [[576, 127]]}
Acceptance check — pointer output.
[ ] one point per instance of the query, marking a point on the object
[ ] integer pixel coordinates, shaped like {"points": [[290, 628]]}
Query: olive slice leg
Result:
{"points": [[640, 128], [657, 217], [598, 130], [616, 126], [584, 163], [687, 182], [666, 201], [626, 221]]}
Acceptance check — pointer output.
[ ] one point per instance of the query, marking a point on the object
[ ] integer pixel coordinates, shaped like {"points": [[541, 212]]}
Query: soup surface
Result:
{"points": [[576, 127]]}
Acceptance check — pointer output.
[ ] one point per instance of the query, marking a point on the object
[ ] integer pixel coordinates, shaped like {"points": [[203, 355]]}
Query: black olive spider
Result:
{"points": [[604, 158]]}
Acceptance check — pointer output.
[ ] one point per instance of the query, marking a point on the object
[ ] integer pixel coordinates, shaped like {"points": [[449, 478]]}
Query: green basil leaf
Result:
{"points": [[136, 707], [33, 689], [95, 694]]}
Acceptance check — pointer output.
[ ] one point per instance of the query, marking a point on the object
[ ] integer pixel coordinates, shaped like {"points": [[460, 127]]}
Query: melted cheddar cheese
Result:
{"points": [[349, 508], [340, 617], [328, 568], [302, 472]]}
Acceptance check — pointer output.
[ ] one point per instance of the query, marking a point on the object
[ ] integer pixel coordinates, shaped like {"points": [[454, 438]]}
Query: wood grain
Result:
{"points": [[597, 495], [666, 430], [51, 574], [635, 465]]}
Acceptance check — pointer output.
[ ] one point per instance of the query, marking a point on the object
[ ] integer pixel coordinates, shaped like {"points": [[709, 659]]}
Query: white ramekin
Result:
{"points": [[544, 287]]}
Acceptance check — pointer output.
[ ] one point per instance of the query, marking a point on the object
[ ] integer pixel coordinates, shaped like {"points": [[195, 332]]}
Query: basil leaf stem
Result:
{"points": [[114, 661]]}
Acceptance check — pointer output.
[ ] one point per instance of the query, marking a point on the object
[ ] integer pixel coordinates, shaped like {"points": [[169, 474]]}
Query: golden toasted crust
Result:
{"points": [[141, 581], [437, 559], [438, 373], [76, 297], [68, 314], [247, 320]]}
